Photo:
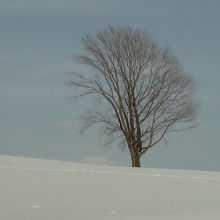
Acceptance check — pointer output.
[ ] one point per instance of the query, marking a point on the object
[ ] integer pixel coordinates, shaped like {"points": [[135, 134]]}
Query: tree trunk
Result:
{"points": [[135, 160]]}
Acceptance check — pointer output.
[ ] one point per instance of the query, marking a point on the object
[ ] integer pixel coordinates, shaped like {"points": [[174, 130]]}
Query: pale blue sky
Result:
{"points": [[37, 41]]}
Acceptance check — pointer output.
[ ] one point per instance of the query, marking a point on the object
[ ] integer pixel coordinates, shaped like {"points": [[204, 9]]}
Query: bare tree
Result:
{"points": [[143, 87]]}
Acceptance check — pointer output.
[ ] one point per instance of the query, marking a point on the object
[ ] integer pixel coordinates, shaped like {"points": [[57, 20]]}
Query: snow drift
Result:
{"points": [[33, 189]]}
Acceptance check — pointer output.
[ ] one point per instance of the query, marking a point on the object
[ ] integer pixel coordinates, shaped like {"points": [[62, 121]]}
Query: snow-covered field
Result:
{"points": [[33, 189]]}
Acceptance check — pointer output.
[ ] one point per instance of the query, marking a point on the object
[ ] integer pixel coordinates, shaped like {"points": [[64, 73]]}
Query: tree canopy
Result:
{"points": [[142, 88]]}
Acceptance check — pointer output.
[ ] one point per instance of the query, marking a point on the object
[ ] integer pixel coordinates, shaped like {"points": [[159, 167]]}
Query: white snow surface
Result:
{"points": [[35, 189]]}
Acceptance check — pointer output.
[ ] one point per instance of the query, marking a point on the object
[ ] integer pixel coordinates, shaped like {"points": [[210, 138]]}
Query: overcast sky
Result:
{"points": [[37, 41]]}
